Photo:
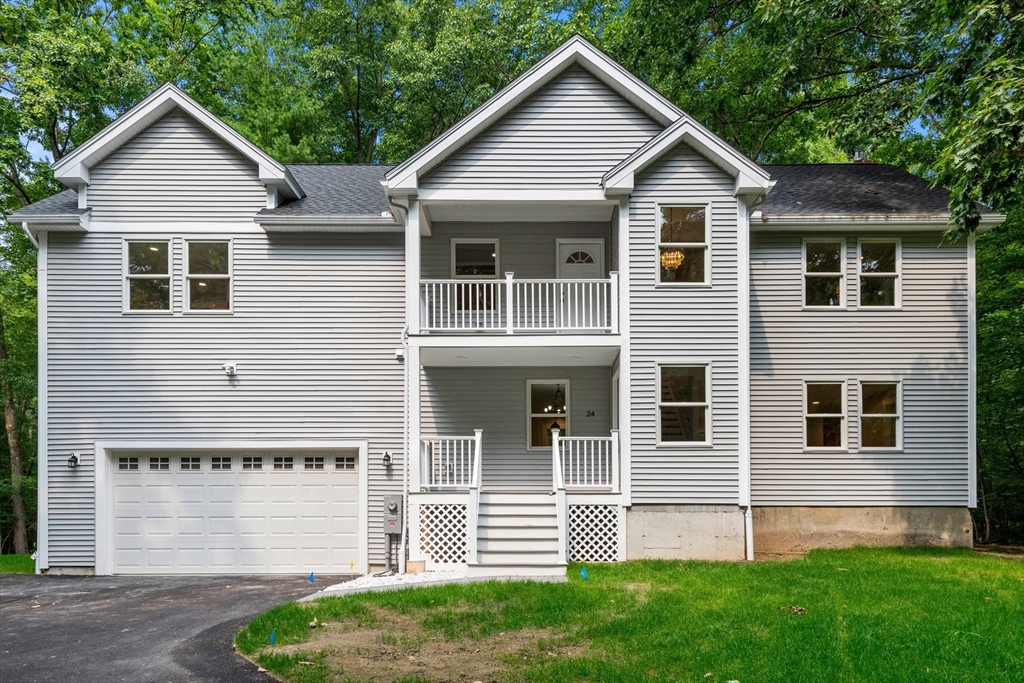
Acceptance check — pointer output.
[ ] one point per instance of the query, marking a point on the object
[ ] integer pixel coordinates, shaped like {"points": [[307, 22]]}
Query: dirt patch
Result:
{"points": [[1013, 552], [639, 590], [398, 648]]}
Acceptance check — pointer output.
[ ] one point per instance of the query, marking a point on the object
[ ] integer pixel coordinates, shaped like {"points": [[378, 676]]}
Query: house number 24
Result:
{"points": [[590, 413]]}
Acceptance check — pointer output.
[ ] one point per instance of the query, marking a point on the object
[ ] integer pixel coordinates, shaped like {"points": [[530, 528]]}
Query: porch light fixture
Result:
{"points": [[672, 259], [387, 460], [73, 461]]}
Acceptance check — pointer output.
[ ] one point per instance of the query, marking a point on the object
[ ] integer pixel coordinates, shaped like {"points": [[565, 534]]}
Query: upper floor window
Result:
{"points": [[475, 259], [683, 244], [823, 272], [148, 276], [879, 273], [880, 415], [209, 276], [683, 404], [824, 415]]}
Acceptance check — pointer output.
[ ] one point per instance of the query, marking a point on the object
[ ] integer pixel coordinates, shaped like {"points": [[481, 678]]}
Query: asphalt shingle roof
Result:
{"points": [[62, 202], [857, 189], [336, 190]]}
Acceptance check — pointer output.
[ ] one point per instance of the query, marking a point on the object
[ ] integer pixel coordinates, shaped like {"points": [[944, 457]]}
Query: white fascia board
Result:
{"points": [[327, 223], [526, 195], [54, 222], [750, 178], [74, 168], [881, 222], [403, 179]]}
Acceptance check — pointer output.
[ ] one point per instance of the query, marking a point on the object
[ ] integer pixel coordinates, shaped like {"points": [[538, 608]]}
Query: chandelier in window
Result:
{"points": [[671, 259]]}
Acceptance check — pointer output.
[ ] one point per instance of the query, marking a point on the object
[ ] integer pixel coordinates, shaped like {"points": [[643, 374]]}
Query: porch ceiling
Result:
{"points": [[519, 356]]}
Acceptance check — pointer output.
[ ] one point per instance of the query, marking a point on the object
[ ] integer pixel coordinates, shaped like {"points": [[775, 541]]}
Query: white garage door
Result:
{"points": [[241, 512]]}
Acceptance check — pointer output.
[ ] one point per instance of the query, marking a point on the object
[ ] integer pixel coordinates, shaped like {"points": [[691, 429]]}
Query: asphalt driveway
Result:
{"points": [[152, 629]]}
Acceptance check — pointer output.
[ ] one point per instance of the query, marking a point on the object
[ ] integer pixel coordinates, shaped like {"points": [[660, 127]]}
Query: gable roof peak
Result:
{"points": [[73, 169]]}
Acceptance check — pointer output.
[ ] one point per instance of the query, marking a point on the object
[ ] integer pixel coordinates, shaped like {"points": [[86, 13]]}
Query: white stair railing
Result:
{"points": [[590, 462], [520, 306], [473, 509], [449, 461], [561, 502]]}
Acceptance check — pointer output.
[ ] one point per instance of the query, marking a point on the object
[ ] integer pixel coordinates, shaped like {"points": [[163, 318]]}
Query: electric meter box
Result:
{"points": [[393, 515]]}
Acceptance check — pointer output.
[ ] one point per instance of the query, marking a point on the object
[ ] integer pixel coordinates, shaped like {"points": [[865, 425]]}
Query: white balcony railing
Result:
{"points": [[451, 461], [590, 462], [520, 306]]}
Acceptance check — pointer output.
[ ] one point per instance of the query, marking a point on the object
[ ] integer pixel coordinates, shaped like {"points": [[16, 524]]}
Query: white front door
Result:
{"points": [[580, 305], [580, 259]]}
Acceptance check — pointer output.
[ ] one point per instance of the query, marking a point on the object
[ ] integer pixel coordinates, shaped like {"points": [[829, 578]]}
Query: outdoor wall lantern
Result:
{"points": [[73, 461], [387, 459]]}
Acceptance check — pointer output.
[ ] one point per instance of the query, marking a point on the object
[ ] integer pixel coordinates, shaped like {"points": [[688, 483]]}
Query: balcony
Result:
{"points": [[519, 306]]}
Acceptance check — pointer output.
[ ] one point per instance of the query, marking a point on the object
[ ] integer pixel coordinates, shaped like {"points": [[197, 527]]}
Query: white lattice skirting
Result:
{"points": [[443, 533], [593, 533]]}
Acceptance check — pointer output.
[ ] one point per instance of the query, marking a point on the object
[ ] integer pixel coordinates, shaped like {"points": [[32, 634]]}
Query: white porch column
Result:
{"points": [[412, 267], [625, 361], [415, 459]]}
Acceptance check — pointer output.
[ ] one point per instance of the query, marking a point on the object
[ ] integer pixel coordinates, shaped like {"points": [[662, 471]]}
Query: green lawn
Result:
{"points": [[851, 615], [17, 564]]}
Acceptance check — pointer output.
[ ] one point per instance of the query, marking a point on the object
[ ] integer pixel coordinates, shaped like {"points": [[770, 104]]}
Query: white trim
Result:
{"points": [[877, 222], [600, 252], [126, 277], [530, 415], [804, 414], [73, 169], [412, 373], [707, 404], [105, 471], [706, 244], [403, 179], [843, 283], [898, 287], [186, 293], [43, 428], [490, 341], [455, 241], [898, 448], [750, 178], [625, 359], [972, 375], [412, 269], [743, 361]]}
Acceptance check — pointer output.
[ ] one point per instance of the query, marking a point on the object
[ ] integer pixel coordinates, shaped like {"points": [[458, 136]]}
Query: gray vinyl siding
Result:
{"points": [[566, 136], [924, 345], [175, 170], [315, 324], [455, 401], [684, 325], [527, 249]]}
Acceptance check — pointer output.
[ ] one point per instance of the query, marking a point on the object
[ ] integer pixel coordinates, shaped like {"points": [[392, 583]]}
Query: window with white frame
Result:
{"points": [[880, 415], [824, 414], [220, 462], [127, 463], [683, 244], [189, 462], [160, 463], [148, 276], [823, 273], [252, 462], [209, 276], [313, 462], [284, 462], [683, 404], [548, 408], [879, 273], [475, 259], [344, 462]]}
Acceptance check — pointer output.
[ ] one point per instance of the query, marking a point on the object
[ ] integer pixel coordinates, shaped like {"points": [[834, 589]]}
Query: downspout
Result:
{"points": [[748, 529], [29, 235], [408, 451]]}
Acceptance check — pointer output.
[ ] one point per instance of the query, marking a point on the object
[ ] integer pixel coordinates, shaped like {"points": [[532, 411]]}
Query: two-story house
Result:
{"points": [[576, 326]]}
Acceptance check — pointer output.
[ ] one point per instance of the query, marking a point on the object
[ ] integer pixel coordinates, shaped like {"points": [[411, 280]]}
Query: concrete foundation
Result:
{"points": [[684, 532], [785, 531], [69, 571]]}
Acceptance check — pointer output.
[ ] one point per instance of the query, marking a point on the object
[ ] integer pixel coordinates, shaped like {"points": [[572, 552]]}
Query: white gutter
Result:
{"points": [[340, 222], [759, 221], [29, 235]]}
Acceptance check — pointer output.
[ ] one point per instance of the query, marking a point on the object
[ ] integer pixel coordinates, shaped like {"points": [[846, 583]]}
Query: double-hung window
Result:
{"points": [[548, 405], [880, 415], [879, 273], [824, 415], [209, 276], [823, 273], [683, 244], [683, 404], [148, 276], [475, 259]]}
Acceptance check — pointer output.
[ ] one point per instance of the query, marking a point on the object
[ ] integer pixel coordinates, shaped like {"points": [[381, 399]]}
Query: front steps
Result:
{"points": [[517, 536]]}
